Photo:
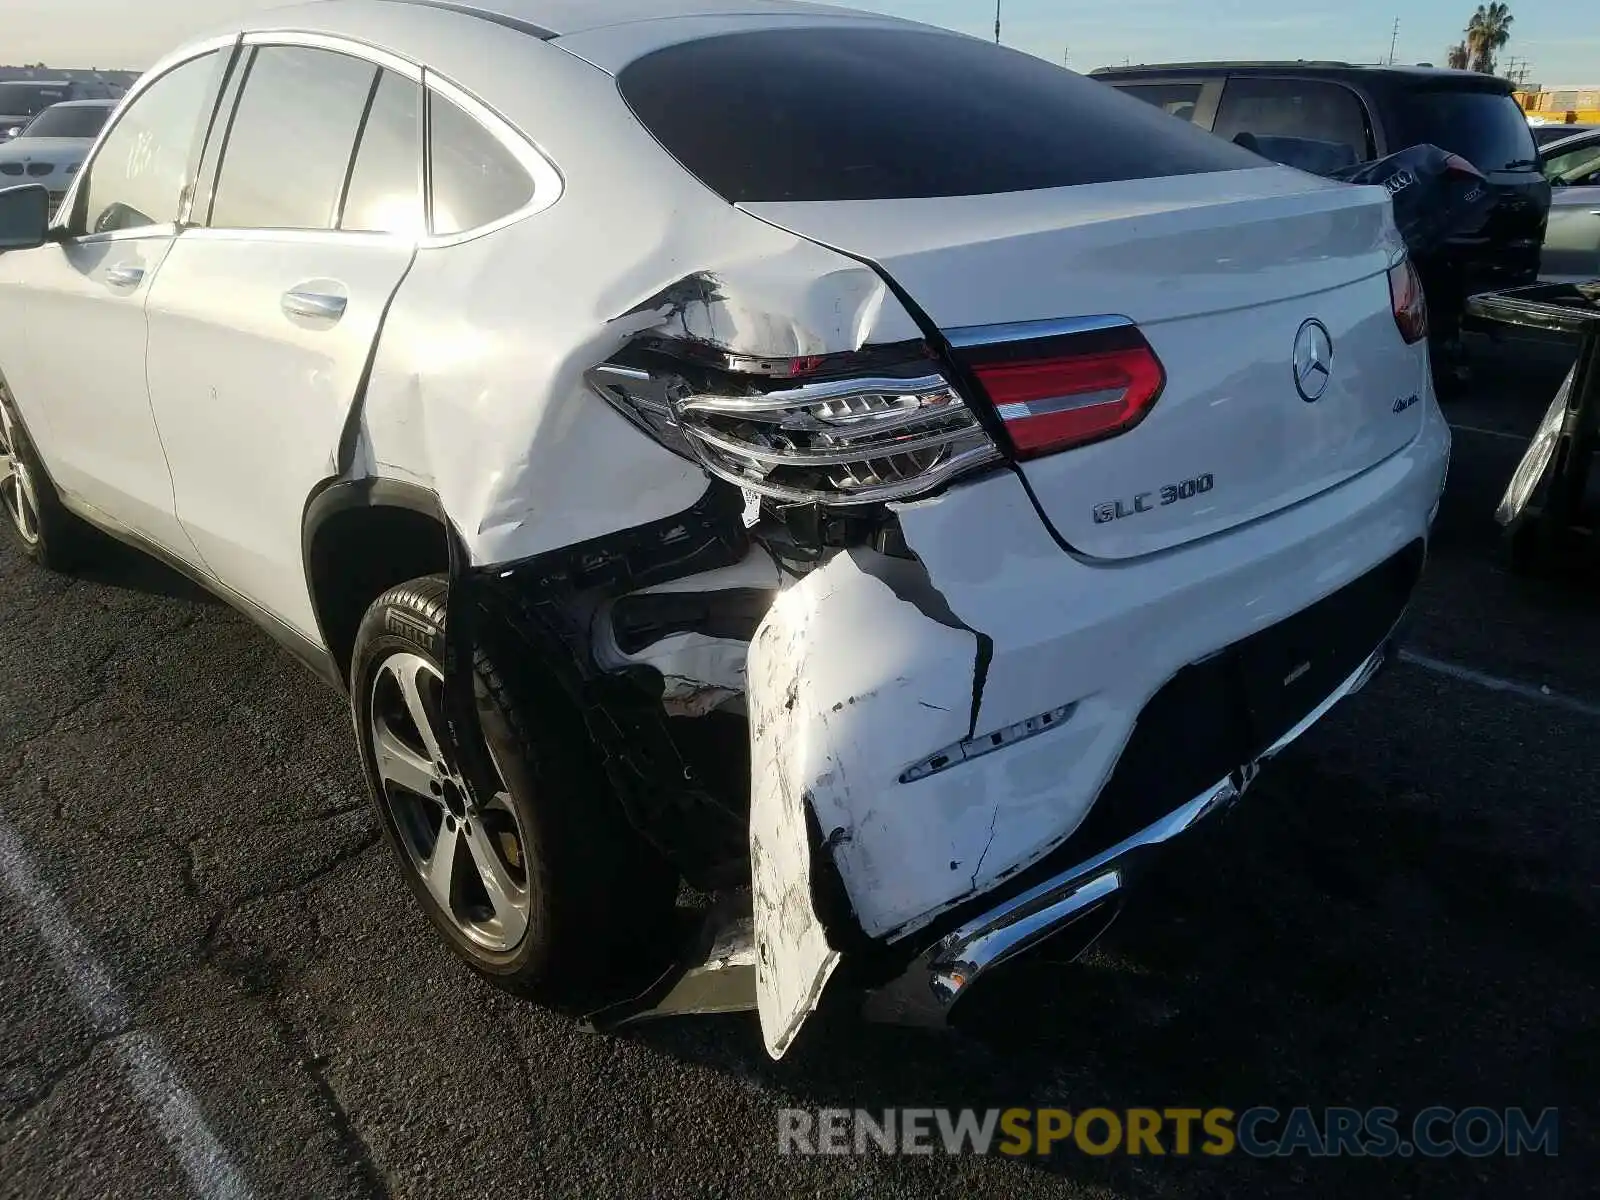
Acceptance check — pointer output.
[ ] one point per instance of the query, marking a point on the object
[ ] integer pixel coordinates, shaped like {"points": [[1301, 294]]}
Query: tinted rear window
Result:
{"points": [[69, 121], [876, 114], [1485, 128]]}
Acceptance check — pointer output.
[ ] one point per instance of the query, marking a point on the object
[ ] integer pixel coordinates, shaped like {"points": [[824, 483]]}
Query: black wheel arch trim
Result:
{"points": [[340, 496]]}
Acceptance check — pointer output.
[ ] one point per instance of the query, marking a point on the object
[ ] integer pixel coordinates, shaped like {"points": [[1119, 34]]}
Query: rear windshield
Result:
{"points": [[1485, 128], [877, 114], [25, 99], [69, 121]]}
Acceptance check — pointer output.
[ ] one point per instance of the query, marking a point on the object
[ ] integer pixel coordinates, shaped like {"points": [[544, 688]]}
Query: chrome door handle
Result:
{"points": [[318, 305], [124, 276]]}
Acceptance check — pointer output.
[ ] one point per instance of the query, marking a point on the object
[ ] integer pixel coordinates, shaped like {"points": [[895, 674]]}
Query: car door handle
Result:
{"points": [[125, 276], [318, 305]]}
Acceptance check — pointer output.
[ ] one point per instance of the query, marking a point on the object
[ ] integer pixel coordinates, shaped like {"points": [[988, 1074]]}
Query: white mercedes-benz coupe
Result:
{"points": [[890, 482]]}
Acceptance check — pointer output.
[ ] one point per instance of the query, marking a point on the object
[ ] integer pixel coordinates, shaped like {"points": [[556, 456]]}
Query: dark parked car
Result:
{"points": [[1323, 115]]}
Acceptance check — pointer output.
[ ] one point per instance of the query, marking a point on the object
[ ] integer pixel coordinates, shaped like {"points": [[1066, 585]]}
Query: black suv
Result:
{"points": [[1353, 113]]}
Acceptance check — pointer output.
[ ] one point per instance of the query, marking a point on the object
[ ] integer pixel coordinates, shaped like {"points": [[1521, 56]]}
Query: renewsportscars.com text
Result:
{"points": [[1259, 1132]]}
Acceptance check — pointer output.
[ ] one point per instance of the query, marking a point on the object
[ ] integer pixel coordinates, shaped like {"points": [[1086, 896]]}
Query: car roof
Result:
{"points": [[558, 18], [1562, 145], [84, 104], [1423, 76]]}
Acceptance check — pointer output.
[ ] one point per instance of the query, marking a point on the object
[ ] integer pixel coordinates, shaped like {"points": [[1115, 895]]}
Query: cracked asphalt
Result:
{"points": [[214, 967]]}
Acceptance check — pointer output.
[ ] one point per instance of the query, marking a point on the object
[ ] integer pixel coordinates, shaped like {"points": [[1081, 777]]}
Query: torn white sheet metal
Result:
{"points": [[831, 729]]}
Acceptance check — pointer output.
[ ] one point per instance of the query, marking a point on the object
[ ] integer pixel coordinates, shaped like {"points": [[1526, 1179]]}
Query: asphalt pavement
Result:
{"points": [[212, 980]]}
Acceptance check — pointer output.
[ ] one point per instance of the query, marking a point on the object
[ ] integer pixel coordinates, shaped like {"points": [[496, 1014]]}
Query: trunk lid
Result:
{"points": [[1221, 272]]}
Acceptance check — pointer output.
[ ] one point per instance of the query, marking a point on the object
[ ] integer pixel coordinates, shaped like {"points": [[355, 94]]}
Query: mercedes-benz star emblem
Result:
{"points": [[1313, 360]]}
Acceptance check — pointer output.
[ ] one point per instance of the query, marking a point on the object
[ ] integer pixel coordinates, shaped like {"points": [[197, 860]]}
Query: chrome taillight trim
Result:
{"points": [[841, 457], [820, 393], [956, 465], [861, 436]]}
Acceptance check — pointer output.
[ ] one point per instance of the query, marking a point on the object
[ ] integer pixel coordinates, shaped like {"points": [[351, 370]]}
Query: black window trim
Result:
{"points": [[1376, 143], [77, 194]]}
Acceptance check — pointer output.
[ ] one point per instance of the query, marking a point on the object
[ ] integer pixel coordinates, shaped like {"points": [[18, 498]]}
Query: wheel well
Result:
{"points": [[356, 554]]}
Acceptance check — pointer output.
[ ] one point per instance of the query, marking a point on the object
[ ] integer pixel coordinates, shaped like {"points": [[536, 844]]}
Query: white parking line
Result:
{"points": [[1527, 691], [156, 1084], [1499, 433]]}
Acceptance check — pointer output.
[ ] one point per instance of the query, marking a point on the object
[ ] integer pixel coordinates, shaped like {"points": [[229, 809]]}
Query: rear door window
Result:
{"points": [[290, 141], [385, 190], [1328, 115], [1174, 99], [1485, 128], [829, 113], [1577, 167]]}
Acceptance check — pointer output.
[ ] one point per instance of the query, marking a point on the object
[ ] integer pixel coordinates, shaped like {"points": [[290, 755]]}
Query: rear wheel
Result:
{"points": [[48, 533], [534, 875]]}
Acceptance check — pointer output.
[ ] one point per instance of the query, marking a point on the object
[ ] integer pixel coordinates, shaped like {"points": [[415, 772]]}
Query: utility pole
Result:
{"points": [[1394, 37], [996, 22]]}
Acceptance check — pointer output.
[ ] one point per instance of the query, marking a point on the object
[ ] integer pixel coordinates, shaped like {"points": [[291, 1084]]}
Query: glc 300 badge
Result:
{"points": [[1187, 489]]}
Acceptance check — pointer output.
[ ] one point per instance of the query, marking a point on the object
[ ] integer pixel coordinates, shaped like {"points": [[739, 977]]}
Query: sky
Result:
{"points": [[1559, 38]]}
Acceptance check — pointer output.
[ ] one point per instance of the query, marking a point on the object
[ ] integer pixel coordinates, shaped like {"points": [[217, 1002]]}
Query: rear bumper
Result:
{"points": [[942, 974], [931, 750]]}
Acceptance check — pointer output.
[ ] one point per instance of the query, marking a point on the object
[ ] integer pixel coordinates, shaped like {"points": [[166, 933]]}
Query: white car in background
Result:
{"points": [[51, 147], [1571, 252], [882, 476]]}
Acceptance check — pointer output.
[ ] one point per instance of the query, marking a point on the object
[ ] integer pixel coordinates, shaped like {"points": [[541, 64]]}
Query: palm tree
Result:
{"points": [[1487, 33], [1456, 58]]}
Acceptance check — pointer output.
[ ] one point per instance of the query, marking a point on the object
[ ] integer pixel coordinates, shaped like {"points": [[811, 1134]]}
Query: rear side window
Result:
{"points": [[1313, 110], [1576, 167], [879, 114], [1485, 128], [1174, 99], [291, 138], [475, 179]]}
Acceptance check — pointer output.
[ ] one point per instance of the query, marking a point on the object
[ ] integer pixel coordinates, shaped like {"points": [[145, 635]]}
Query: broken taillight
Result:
{"points": [[1054, 393], [837, 441], [1410, 308]]}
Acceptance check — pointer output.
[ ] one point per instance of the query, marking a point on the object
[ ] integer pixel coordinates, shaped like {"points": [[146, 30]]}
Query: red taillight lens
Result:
{"points": [[1410, 309], [1051, 404]]}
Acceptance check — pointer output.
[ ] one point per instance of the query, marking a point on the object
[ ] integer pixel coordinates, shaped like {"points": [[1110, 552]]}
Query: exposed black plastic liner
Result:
{"points": [[534, 614]]}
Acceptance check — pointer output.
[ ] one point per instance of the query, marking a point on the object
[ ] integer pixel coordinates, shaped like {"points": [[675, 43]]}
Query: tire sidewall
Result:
{"points": [[414, 633]]}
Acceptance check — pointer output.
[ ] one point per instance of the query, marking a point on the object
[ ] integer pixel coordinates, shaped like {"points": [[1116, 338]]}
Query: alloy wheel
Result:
{"points": [[470, 851], [17, 495]]}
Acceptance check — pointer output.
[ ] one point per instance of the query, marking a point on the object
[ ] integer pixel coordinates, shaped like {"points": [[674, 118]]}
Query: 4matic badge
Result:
{"points": [[1188, 489]]}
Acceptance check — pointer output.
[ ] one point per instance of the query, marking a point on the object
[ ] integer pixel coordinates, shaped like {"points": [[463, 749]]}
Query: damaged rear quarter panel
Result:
{"points": [[478, 390]]}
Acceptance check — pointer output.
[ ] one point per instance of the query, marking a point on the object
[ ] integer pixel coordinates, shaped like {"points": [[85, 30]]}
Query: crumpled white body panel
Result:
{"points": [[853, 685]]}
